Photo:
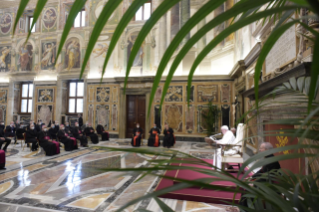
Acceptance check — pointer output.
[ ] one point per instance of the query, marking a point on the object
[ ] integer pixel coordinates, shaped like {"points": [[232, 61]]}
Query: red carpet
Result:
{"points": [[195, 193]]}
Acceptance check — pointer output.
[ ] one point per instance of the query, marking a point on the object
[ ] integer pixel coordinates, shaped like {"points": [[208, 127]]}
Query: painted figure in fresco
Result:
{"points": [[73, 54], [101, 49], [4, 53], [49, 16], [138, 61], [48, 56], [24, 57], [5, 23]]}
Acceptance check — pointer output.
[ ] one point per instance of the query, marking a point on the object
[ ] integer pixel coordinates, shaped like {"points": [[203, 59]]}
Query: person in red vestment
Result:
{"points": [[154, 137], [137, 136]]}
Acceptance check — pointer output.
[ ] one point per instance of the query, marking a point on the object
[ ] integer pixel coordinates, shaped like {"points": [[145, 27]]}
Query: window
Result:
{"points": [[80, 19], [144, 13], [26, 98], [30, 23], [21, 24], [75, 97]]}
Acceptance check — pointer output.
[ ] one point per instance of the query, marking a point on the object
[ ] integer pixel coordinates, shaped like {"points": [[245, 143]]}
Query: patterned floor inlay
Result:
{"points": [[77, 182]]}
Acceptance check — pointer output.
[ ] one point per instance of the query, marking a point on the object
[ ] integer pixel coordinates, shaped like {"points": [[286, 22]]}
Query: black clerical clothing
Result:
{"points": [[267, 168], [154, 137], [80, 121], [53, 132], [89, 131], [49, 147], [104, 134], [2, 126], [69, 144], [169, 138], [31, 137], [67, 129], [10, 131], [78, 134], [6, 140], [19, 132], [137, 137]]}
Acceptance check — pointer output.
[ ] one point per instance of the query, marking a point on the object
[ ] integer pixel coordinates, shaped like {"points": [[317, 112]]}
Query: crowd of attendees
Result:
{"points": [[52, 136]]}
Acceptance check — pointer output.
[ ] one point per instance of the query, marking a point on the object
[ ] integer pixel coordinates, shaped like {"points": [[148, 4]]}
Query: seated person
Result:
{"points": [[78, 134], [69, 142], [17, 124], [137, 136], [67, 128], [53, 130], [3, 139], [154, 137], [31, 137], [50, 146], [2, 125], [169, 138], [89, 131], [10, 130], [228, 138], [266, 168], [100, 130], [38, 126], [19, 132]]}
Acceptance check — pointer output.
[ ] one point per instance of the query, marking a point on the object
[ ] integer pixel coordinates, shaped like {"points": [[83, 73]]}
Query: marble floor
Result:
{"points": [[74, 181]]}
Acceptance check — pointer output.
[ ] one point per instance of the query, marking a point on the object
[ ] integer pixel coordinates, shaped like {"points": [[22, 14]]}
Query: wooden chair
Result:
{"points": [[238, 157], [21, 139]]}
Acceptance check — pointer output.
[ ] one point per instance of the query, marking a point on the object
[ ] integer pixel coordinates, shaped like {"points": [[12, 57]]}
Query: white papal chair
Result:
{"points": [[238, 157]]}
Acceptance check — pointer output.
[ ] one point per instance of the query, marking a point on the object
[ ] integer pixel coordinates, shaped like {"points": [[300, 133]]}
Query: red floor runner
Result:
{"points": [[194, 193]]}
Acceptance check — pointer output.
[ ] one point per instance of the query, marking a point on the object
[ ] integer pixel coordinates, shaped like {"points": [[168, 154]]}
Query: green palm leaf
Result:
{"points": [[76, 8], [22, 6], [36, 15], [127, 17], [106, 13], [158, 13]]}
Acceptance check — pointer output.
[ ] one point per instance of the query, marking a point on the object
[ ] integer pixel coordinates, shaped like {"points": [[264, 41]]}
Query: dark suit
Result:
{"points": [[6, 140], [10, 131], [267, 168], [76, 131], [80, 121], [53, 131], [31, 137], [93, 136], [104, 134]]}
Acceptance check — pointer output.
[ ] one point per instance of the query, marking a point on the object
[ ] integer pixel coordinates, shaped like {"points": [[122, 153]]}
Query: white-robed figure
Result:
{"points": [[228, 139]]}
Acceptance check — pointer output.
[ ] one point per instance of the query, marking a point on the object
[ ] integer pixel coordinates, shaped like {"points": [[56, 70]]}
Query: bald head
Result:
{"points": [[264, 146]]}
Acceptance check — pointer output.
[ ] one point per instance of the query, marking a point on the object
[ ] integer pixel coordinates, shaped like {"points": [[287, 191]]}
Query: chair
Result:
{"points": [[238, 157], [25, 143], [11, 137], [21, 139]]}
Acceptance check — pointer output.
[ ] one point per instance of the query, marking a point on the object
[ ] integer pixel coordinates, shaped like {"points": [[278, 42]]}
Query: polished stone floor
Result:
{"points": [[74, 181]]}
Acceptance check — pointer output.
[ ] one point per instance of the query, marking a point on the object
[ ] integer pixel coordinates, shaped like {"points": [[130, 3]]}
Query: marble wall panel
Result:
{"points": [[3, 96], [3, 113], [207, 93], [115, 94], [45, 113], [189, 116], [191, 97], [45, 95], [174, 94], [114, 117], [201, 124], [91, 114], [225, 93], [91, 94], [103, 94], [102, 116], [5, 58], [174, 117]]}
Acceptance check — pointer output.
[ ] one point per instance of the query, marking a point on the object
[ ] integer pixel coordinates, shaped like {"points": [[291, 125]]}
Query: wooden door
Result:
{"points": [[135, 113]]}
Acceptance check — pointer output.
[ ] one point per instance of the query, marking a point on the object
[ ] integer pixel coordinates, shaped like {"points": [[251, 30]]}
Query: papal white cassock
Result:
{"points": [[228, 138]]}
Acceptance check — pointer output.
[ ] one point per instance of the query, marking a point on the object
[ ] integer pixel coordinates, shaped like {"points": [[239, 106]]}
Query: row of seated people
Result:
{"points": [[65, 134], [154, 140]]}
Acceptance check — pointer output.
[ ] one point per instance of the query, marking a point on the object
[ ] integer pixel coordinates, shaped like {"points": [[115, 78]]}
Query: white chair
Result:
{"points": [[238, 157]]}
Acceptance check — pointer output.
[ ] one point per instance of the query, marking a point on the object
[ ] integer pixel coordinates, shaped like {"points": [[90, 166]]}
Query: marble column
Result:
{"points": [[202, 42], [58, 101], [220, 27], [10, 101]]}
